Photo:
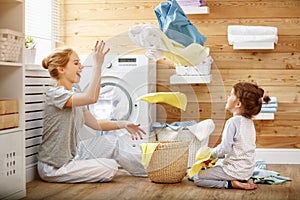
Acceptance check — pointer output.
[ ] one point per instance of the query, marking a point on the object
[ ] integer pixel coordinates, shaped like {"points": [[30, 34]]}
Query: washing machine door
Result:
{"points": [[114, 103]]}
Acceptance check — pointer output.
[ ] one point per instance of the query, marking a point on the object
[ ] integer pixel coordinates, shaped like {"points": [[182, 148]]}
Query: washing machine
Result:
{"points": [[124, 78]]}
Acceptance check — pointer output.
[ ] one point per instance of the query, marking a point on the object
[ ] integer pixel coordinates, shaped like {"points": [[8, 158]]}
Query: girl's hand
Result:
{"points": [[100, 53], [135, 131]]}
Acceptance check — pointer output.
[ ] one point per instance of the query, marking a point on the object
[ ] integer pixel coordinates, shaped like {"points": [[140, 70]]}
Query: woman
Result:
{"points": [[66, 112]]}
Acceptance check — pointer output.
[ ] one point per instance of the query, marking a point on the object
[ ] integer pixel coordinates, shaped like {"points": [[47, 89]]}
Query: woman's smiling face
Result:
{"points": [[73, 69]]}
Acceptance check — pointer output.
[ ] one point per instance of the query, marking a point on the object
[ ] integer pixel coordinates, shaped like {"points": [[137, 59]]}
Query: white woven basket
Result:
{"points": [[10, 45]]}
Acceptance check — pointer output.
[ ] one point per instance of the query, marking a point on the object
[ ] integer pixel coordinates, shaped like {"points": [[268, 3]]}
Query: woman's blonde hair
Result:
{"points": [[58, 58], [251, 96]]}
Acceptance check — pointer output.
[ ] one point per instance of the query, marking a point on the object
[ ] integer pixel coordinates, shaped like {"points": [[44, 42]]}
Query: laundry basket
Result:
{"points": [[168, 163], [168, 134]]}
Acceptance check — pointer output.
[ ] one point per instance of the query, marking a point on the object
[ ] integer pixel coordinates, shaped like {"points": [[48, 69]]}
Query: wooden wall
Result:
{"points": [[277, 71]]}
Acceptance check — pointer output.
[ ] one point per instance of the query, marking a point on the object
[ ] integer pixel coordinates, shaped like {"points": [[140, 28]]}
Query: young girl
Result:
{"points": [[238, 142], [65, 113]]}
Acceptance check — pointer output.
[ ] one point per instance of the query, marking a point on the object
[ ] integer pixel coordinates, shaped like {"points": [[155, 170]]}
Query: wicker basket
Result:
{"points": [[168, 163], [186, 135], [10, 45]]}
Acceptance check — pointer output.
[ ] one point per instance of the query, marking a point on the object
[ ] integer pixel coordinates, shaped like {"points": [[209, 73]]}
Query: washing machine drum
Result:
{"points": [[114, 103]]}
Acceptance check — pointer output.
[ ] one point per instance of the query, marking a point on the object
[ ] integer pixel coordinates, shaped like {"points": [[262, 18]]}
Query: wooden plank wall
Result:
{"points": [[277, 71]]}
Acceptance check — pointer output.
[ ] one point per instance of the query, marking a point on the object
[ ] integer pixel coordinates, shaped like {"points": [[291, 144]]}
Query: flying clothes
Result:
{"points": [[176, 99], [175, 24], [151, 38]]}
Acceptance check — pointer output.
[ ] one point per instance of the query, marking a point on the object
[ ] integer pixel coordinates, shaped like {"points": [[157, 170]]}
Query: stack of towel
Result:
{"points": [[201, 69], [270, 107], [193, 3], [247, 34]]}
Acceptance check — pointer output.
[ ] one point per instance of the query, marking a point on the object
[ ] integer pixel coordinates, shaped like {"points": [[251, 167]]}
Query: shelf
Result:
{"points": [[175, 79], [264, 116], [13, 64], [253, 45], [12, 140], [34, 67], [10, 130], [11, 1], [193, 10]]}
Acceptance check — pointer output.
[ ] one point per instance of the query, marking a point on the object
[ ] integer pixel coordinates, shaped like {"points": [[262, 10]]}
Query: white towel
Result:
{"points": [[148, 37], [239, 33], [252, 38], [199, 70], [203, 129], [251, 30]]}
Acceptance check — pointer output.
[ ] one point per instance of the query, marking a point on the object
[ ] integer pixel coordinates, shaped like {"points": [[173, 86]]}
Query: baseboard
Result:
{"points": [[19, 195], [278, 156], [31, 173]]}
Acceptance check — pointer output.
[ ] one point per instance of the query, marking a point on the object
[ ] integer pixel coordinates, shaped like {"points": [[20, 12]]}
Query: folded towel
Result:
{"points": [[251, 30], [272, 105], [192, 4], [268, 110], [239, 33], [202, 161], [202, 69], [176, 99], [147, 150], [252, 38]]}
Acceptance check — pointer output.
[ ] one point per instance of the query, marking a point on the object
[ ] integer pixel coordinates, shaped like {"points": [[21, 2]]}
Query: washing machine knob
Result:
{"points": [[109, 65]]}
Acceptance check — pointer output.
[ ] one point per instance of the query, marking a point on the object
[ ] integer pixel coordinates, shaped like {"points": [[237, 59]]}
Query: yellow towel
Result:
{"points": [[176, 99], [202, 155], [191, 55], [147, 149]]}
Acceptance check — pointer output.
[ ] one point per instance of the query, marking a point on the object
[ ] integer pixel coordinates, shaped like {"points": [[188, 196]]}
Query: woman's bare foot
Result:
{"points": [[245, 186]]}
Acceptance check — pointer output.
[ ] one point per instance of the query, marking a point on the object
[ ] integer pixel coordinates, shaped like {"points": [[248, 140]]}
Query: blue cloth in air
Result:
{"points": [[175, 24]]}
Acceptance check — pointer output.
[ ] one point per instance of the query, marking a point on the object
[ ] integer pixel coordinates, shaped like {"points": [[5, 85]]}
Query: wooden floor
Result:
{"points": [[125, 186]]}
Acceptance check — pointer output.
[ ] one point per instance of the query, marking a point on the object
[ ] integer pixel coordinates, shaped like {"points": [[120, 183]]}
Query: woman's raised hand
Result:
{"points": [[99, 53]]}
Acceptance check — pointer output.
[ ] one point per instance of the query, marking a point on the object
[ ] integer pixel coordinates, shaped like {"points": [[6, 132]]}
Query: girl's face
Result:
{"points": [[232, 104], [73, 69]]}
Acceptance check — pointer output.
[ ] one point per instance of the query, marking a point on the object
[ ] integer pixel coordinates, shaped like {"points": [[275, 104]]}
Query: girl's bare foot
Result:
{"points": [[251, 183], [245, 186]]}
